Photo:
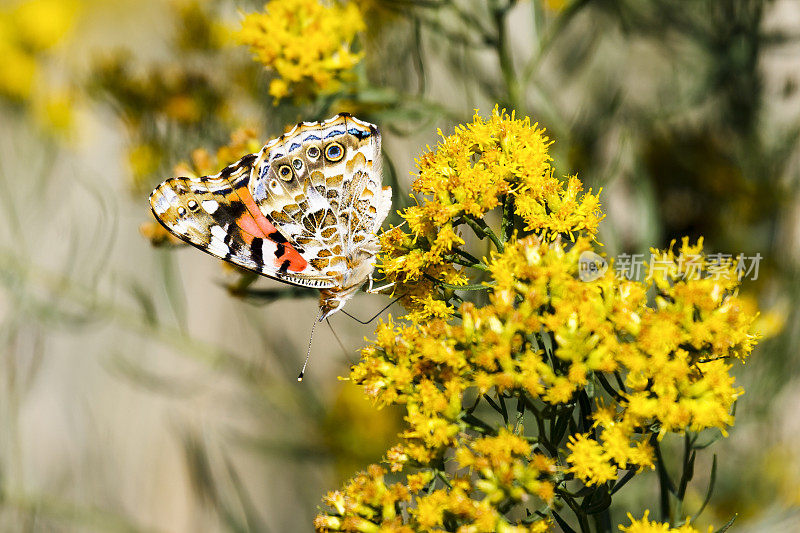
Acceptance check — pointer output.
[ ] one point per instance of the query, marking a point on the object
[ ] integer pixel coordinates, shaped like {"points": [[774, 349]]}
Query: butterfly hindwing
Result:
{"points": [[218, 215], [321, 185]]}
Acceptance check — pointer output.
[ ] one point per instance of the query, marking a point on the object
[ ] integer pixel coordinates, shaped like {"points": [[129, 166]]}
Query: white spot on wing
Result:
{"points": [[210, 206], [217, 242], [218, 232], [169, 195], [161, 205]]}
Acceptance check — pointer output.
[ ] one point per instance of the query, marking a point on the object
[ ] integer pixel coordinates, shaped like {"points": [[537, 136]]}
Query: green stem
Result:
{"points": [[507, 224], [503, 49], [443, 476], [463, 262], [583, 522], [520, 415], [473, 287], [481, 229], [665, 484], [602, 522]]}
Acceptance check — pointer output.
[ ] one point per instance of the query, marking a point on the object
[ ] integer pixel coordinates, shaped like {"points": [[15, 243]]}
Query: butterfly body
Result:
{"points": [[303, 210]]}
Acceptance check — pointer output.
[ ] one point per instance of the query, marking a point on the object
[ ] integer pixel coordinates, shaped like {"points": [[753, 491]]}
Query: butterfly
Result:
{"points": [[304, 210]]}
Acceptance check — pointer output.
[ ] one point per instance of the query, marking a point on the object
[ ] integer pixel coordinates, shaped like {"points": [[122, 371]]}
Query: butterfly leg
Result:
{"points": [[379, 289], [371, 290]]}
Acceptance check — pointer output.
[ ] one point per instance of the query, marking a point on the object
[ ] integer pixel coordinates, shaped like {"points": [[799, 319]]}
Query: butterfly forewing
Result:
{"points": [[217, 214]]}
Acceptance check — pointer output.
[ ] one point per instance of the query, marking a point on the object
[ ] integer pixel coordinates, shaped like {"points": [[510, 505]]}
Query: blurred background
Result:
{"points": [[145, 387]]}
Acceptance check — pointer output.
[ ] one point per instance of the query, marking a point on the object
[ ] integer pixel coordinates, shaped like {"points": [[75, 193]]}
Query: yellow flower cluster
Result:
{"points": [[495, 472], [29, 31], [644, 525], [496, 162], [600, 370], [307, 43], [676, 377]]}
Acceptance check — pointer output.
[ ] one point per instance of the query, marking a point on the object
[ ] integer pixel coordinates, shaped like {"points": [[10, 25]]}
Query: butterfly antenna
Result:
{"points": [[308, 353], [341, 345], [376, 314]]}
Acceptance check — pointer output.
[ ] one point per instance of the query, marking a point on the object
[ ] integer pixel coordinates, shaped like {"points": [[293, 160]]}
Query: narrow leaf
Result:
{"points": [[562, 523], [727, 526], [711, 482]]}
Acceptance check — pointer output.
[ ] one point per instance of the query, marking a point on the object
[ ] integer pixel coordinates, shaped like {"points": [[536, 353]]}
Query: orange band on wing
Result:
{"points": [[260, 226]]}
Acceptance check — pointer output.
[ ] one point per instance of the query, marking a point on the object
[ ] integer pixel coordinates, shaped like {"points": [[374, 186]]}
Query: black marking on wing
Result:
{"points": [[277, 237], [236, 210], [244, 162], [257, 252], [284, 267]]}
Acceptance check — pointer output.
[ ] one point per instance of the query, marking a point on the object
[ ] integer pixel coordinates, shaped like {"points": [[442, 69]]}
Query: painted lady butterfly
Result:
{"points": [[304, 210]]}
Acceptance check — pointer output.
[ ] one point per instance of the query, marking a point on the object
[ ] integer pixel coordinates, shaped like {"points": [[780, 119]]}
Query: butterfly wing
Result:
{"points": [[218, 215], [320, 184]]}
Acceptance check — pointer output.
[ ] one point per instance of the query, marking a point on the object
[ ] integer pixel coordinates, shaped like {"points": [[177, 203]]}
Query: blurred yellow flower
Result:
{"points": [[41, 24], [355, 432], [243, 141], [19, 69], [306, 43], [555, 5], [55, 111], [28, 32], [143, 160]]}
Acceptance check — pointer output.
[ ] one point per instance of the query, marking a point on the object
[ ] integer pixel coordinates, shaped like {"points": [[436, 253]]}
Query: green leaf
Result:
{"points": [[727, 526], [562, 523], [560, 429], [598, 501], [711, 482]]}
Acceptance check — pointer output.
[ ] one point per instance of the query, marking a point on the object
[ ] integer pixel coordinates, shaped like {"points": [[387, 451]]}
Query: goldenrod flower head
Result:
{"points": [[306, 43], [505, 472], [471, 170], [644, 525], [481, 166]]}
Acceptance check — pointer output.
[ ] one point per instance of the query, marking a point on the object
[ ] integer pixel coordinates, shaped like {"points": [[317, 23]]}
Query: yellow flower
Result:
{"points": [[589, 461], [40, 24], [158, 234], [556, 5], [644, 525], [143, 160], [243, 141], [306, 43], [55, 111], [27, 31], [18, 72]]}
